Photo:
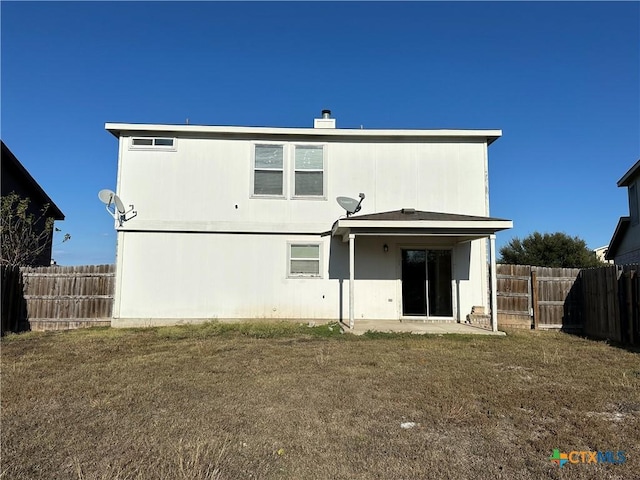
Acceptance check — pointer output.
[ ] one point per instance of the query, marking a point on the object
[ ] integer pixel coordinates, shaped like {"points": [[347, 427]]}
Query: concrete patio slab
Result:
{"points": [[419, 328]]}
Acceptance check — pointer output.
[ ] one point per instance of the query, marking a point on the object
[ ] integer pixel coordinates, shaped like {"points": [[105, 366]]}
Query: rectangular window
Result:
{"points": [[309, 171], [152, 143], [633, 204], [268, 172], [163, 142], [304, 260]]}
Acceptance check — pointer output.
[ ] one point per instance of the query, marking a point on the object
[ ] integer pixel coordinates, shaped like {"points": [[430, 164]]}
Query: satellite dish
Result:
{"points": [[119, 204], [106, 196], [119, 212], [351, 205]]}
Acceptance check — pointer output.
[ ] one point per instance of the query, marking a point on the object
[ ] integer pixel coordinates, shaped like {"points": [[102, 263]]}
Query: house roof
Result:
{"points": [[628, 177], [618, 235], [417, 222], [131, 129], [11, 163]]}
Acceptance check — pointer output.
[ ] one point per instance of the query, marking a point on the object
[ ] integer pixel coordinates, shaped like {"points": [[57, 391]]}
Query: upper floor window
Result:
{"points": [[288, 170], [268, 175], [309, 171], [152, 143]]}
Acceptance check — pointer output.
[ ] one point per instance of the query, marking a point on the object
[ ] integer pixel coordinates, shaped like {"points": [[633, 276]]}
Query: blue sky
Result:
{"points": [[562, 80]]}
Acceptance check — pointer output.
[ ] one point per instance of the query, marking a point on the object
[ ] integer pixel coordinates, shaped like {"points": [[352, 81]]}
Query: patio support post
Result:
{"points": [[494, 284], [352, 241]]}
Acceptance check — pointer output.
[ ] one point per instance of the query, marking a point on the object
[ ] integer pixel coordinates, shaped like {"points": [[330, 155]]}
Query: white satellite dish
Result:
{"points": [[119, 204], [119, 212], [106, 196], [351, 205]]}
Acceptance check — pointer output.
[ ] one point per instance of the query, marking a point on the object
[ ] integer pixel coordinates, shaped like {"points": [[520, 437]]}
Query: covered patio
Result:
{"points": [[444, 228]]}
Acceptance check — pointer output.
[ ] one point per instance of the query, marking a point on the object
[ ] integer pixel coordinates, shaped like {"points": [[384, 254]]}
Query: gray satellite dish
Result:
{"points": [[106, 196], [119, 213], [119, 204], [351, 205]]}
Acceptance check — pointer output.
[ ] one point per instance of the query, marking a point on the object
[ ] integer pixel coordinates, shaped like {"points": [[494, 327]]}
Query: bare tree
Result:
{"points": [[24, 234]]}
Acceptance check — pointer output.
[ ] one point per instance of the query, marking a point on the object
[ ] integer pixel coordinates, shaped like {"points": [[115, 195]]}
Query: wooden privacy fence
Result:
{"points": [[57, 298], [600, 302], [539, 297], [612, 303]]}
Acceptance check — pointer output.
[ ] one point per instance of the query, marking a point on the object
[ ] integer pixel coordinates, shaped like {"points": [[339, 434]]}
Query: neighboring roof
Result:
{"points": [[416, 222], [127, 129], [628, 177], [9, 161], [618, 235]]}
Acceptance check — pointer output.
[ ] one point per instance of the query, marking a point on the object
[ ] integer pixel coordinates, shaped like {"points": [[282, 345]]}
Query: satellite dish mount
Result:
{"points": [[351, 205], [115, 207]]}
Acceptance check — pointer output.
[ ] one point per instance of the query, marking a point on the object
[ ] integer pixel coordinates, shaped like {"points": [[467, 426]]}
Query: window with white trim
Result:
{"points": [[268, 170], [304, 260], [308, 171], [152, 143]]}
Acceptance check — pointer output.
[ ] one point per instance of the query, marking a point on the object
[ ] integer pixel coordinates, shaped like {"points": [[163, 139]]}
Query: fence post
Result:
{"points": [[535, 297]]}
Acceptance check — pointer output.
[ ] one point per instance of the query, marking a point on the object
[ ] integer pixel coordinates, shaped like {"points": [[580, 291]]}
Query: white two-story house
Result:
{"points": [[237, 223]]}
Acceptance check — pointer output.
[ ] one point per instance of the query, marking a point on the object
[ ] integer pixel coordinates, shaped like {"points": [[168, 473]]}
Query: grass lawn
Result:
{"points": [[285, 401]]}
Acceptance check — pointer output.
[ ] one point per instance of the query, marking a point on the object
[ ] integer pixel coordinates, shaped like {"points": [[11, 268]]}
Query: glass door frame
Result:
{"points": [[454, 292]]}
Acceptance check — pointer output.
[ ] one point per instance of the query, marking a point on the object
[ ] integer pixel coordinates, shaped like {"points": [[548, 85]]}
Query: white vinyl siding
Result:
{"points": [[304, 260], [268, 175], [309, 171]]}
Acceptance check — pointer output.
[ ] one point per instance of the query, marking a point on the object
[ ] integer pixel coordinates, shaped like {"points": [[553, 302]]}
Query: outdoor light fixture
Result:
{"points": [[385, 248]]}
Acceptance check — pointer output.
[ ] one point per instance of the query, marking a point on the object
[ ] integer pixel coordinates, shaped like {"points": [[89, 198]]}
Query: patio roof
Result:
{"points": [[413, 222], [410, 222]]}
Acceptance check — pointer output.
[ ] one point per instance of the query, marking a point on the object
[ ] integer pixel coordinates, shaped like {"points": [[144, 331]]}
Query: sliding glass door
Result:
{"points": [[426, 283]]}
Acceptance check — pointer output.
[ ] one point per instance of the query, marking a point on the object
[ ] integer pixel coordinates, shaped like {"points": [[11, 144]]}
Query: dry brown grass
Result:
{"points": [[288, 402]]}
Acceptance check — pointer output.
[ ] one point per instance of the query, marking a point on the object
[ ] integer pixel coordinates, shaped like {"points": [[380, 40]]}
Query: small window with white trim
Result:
{"points": [[304, 260], [153, 143], [268, 170], [309, 171]]}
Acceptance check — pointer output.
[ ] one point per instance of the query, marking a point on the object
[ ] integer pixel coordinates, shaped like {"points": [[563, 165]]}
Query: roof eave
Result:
{"points": [[7, 154], [123, 129], [618, 235], [626, 179], [465, 230]]}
